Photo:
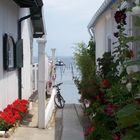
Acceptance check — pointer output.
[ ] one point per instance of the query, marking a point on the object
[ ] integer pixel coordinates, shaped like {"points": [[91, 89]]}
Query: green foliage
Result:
{"points": [[128, 116], [113, 108], [84, 57], [107, 67], [119, 94], [4, 126]]}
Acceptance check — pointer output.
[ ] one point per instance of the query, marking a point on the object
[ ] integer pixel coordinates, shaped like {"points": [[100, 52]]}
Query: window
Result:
{"points": [[109, 44], [135, 33], [8, 52]]}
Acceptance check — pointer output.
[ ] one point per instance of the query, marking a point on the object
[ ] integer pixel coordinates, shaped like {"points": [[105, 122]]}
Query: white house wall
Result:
{"points": [[100, 36], [103, 30], [27, 45], [8, 24]]}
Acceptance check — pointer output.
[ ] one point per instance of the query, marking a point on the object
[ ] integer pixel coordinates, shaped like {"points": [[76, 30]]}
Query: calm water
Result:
{"points": [[65, 74]]}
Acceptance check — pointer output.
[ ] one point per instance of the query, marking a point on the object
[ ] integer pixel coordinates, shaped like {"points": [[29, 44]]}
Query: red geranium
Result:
{"points": [[20, 105], [12, 113]]}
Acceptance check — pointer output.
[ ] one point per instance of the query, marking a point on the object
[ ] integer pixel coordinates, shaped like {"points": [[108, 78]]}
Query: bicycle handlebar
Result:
{"points": [[57, 85]]}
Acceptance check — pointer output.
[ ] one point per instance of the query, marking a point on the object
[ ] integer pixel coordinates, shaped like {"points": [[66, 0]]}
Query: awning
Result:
{"points": [[36, 15], [37, 22], [29, 3]]}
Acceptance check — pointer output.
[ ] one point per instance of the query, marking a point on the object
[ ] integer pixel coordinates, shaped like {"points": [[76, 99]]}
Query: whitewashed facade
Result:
{"points": [[27, 54], [10, 13], [103, 25]]}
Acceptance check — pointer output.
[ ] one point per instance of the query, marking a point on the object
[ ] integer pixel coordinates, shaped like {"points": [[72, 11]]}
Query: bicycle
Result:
{"points": [[58, 99]]}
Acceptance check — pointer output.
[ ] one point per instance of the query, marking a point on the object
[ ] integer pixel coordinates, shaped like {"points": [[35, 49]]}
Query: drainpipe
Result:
{"points": [[20, 69], [91, 32]]}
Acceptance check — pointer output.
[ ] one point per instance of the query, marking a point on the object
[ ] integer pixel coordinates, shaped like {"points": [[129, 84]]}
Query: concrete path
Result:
{"points": [[72, 127], [65, 124], [29, 131]]}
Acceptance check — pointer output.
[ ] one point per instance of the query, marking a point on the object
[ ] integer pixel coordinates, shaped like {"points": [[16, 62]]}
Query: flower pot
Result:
{"points": [[2, 133]]}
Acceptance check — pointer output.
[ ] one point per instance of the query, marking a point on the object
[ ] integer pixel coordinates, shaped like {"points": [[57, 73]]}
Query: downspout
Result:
{"points": [[91, 34], [20, 69]]}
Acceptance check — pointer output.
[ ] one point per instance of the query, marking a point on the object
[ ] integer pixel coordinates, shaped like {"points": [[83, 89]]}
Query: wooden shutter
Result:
{"points": [[19, 53]]}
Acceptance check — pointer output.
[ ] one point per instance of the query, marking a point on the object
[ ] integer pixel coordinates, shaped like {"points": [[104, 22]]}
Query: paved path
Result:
{"points": [[72, 127], [66, 124]]}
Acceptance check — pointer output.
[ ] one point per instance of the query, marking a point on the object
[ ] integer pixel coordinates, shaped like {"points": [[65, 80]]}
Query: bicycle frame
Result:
{"points": [[58, 99]]}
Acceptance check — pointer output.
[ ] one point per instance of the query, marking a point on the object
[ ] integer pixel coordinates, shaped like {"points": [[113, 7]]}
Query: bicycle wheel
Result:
{"points": [[59, 101]]}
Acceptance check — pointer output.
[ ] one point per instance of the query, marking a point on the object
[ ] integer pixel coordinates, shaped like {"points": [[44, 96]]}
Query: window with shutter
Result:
{"points": [[19, 53]]}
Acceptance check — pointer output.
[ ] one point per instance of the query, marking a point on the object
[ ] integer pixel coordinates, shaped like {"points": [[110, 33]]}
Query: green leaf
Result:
{"points": [[130, 63], [128, 116], [128, 137]]}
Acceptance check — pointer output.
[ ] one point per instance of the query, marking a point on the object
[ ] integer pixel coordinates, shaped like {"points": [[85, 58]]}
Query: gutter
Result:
{"points": [[106, 4]]}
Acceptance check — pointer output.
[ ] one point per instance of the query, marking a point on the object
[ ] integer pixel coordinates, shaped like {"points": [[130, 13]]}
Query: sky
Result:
{"points": [[66, 23]]}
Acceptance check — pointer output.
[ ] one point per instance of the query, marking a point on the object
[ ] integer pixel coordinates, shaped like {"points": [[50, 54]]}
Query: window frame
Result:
{"points": [[8, 52]]}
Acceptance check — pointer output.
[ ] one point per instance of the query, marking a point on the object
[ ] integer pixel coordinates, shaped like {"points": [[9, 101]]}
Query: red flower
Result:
{"points": [[116, 137], [110, 108], [105, 83], [120, 16], [89, 131], [13, 112]]}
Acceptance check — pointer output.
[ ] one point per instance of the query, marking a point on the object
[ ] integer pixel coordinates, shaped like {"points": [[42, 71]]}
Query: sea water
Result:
{"points": [[65, 74]]}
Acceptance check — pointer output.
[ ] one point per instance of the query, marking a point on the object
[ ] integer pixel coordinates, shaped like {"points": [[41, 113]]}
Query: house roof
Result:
{"points": [[106, 4], [36, 15]]}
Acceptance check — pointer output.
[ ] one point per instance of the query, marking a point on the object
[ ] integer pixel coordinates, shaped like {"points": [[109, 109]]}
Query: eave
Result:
{"points": [[36, 15], [106, 4]]}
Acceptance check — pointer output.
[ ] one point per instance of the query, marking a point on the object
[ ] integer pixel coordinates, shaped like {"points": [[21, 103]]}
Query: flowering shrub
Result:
{"points": [[114, 108], [12, 113]]}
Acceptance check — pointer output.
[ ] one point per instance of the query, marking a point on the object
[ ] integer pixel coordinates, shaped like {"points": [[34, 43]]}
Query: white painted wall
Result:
{"points": [[8, 24], [99, 31], [9, 15], [104, 29], [27, 47]]}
